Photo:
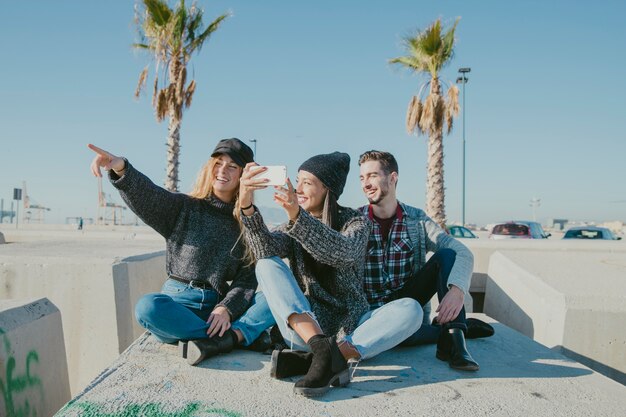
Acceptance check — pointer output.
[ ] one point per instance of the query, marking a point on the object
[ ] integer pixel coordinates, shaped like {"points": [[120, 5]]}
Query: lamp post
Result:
{"points": [[463, 79], [534, 203]]}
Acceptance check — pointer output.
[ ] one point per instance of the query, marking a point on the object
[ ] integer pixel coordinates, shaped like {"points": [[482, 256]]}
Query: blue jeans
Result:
{"points": [[255, 320], [374, 333], [430, 280], [178, 312]]}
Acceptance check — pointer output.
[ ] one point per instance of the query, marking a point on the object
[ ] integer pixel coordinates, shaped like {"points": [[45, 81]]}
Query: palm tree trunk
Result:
{"points": [[435, 190], [173, 129], [173, 153]]}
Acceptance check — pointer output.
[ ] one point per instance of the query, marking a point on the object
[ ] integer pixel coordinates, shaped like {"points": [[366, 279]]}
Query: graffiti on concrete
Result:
{"points": [[12, 383], [195, 409]]}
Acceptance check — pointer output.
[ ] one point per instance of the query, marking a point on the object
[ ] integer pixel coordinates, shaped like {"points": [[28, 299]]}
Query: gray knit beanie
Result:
{"points": [[331, 169]]}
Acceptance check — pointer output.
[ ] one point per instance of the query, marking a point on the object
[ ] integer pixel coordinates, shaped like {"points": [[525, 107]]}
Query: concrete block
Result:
{"points": [[95, 285], [518, 377], [33, 369], [571, 301], [483, 248]]}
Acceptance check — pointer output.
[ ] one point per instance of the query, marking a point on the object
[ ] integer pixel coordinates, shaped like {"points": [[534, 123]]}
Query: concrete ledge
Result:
{"points": [[95, 285], [33, 369], [518, 377], [482, 249], [574, 301]]}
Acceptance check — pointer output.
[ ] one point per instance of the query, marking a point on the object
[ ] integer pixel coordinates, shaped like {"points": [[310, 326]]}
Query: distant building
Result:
{"points": [[557, 224]]}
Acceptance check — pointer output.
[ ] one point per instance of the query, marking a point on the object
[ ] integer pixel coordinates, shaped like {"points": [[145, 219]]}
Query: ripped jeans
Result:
{"points": [[379, 329]]}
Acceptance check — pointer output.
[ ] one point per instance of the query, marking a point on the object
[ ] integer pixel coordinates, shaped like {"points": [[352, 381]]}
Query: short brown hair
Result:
{"points": [[387, 161]]}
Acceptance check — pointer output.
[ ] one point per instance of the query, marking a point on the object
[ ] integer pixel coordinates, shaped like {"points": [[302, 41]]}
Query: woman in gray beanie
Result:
{"points": [[320, 298]]}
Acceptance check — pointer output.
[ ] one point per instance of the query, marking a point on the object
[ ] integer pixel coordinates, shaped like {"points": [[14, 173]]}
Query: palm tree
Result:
{"points": [[427, 53], [172, 36]]}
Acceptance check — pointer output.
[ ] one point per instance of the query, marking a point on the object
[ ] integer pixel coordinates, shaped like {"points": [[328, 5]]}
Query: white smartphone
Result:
{"points": [[277, 174]]}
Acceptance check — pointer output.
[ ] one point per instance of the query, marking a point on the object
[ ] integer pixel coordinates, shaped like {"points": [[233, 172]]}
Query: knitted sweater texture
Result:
{"points": [[337, 298], [202, 237]]}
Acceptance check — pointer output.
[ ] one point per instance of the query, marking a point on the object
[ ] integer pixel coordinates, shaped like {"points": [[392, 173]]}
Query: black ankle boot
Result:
{"points": [[195, 351], [478, 328], [261, 344], [328, 367], [451, 348], [286, 363]]}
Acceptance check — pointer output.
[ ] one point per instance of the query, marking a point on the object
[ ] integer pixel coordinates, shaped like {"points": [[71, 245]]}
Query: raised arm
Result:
{"points": [[331, 247], [157, 207]]}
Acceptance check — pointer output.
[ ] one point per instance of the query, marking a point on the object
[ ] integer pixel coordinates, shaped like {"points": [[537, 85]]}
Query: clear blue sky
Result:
{"points": [[546, 100]]}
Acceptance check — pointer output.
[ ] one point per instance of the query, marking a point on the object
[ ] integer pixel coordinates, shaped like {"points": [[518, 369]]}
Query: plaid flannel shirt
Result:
{"points": [[387, 266]]}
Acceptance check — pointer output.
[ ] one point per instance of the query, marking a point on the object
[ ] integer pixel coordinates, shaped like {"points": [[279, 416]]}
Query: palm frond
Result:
{"points": [[180, 86], [439, 110], [448, 43], [197, 43], [426, 121], [155, 91], [453, 100], [428, 50], [143, 77], [194, 24], [141, 46], [161, 105], [410, 125], [179, 25], [158, 11], [191, 88]]}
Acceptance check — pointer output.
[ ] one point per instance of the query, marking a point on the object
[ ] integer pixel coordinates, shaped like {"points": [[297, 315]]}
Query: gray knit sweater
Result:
{"points": [[202, 237], [337, 298]]}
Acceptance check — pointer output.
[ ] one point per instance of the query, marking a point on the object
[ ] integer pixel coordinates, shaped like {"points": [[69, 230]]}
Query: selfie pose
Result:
{"points": [[209, 285], [319, 299]]}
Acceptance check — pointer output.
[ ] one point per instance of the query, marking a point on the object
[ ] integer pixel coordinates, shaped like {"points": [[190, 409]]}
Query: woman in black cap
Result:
{"points": [[319, 299], [209, 285]]}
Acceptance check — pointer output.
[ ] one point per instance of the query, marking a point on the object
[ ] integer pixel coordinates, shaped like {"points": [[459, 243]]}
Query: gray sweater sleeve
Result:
{"points": [[461, 273], [157, 207], [241, 292], [261, 241], [335, 248]]}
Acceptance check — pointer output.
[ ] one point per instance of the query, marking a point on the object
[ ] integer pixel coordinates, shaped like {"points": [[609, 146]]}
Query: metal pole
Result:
{"points": [[464, 80], [463, 210]]}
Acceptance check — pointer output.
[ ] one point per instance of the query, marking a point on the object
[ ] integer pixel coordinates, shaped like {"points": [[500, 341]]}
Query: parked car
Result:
{"points": [[590, 232], [518, 229], [461, 232]]}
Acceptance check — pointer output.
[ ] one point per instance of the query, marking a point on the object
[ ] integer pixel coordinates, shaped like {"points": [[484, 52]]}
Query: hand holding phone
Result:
{"points": [[276, 174]]}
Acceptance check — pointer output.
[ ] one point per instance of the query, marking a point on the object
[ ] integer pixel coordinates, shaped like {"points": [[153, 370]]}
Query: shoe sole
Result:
{"points": [[194, 354], [274, 364], [446, 358], [342, 379], [182, 349]]}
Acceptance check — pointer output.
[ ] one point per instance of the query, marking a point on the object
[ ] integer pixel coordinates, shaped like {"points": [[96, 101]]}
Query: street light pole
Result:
{"points": [[463, 79]]}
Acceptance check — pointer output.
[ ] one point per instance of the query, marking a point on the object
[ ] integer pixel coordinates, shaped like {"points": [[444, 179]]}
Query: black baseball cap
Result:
{"points": [[236, 149]]}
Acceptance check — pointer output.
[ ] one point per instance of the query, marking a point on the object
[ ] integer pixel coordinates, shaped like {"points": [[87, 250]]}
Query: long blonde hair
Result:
{"points": [[203, 188]]}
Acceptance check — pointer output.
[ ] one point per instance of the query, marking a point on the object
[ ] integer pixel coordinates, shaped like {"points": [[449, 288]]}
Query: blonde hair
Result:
{"points": [[203, 188]]}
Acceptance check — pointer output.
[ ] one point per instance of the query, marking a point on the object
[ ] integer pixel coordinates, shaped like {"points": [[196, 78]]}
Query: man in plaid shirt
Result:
{"points": [[396, 264]]}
